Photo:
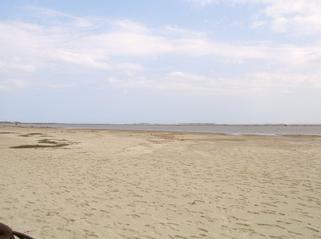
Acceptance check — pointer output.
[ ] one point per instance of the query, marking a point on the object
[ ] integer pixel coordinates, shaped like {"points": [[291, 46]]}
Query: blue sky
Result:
{"points": [[178, 61]]}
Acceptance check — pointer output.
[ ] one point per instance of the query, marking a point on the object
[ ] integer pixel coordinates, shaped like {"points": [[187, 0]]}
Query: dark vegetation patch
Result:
{"points": [[31, 134], [44, 143], [28, 146]]}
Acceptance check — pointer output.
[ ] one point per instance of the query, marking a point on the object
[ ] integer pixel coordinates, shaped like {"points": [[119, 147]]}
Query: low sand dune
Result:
{"points": [[58, 183]]}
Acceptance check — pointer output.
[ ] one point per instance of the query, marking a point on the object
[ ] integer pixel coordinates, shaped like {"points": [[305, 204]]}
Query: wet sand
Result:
{"points": [[65, 183]]}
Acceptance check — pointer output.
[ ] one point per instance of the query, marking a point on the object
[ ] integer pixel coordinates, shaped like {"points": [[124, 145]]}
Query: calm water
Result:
{"points": [[201, 128]]}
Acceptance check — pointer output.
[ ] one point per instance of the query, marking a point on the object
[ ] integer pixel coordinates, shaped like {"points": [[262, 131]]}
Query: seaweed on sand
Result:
{"points": [[28, 146]]}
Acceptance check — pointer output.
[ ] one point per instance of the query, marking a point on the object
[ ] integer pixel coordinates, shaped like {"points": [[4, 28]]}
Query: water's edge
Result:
{"points": [[279, 129]]}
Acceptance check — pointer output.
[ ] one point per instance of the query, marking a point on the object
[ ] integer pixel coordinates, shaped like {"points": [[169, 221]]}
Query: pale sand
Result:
{"points": [[109, 184]]}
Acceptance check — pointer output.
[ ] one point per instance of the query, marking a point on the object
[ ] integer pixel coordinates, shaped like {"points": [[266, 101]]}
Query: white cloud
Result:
{"points": [[208, 2], [295, 17], [20, 67], [118, 46], [126, 25], [253, 83], [39, 44], [65, 18], [86, 60], [203, 2], [285, 81], [12, 83], [300, 16]]}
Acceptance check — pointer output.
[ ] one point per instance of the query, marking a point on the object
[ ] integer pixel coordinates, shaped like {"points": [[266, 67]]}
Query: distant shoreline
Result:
{"points": [[161, 124], [228, 129]]}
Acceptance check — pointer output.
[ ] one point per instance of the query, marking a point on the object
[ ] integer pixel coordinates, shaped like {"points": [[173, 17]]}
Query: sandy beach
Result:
{"points": [[68, 183]]}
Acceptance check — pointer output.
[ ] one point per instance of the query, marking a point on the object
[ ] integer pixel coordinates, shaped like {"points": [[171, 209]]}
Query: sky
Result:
{"points": [[165, 61]]}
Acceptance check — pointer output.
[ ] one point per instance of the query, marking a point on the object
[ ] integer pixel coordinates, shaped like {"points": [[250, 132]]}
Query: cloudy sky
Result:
{"points": [[165, 61]]}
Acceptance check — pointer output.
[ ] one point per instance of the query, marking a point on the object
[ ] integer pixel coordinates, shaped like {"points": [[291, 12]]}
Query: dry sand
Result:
{"points": [[113, 184]]}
